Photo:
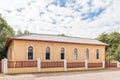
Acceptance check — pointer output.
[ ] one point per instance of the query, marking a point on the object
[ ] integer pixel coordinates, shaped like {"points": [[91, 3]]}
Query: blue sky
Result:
{"points": [[80, 18]]}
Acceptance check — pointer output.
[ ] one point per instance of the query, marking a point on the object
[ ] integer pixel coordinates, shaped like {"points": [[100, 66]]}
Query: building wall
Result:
{"points": [[10, 55], [20, 51]]}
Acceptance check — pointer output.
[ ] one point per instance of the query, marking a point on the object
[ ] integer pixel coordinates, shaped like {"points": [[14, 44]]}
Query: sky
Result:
{"points": [[78, 18]]}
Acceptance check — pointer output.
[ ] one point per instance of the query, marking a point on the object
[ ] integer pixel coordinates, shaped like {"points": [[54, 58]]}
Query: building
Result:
{"points": [[54, 53]]}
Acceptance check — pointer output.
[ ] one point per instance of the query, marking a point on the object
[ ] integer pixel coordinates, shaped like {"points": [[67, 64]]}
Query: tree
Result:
{"points": [[61, 35], [117, 54], [20, 33], [103, 37], [113, 39], [109, 55], [5, 32]]}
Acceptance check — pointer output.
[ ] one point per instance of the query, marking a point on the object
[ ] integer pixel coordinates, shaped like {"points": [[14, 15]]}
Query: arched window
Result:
{"points": [[30, 53], [10, 53], [97, 54], [87, 54], [75, 54], [47, 55], [62, 54]]}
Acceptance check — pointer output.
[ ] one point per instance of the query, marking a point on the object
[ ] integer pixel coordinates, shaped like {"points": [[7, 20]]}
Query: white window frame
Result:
{"points": [[33, 52], [64, 53], [75, 54], [50, 54]]}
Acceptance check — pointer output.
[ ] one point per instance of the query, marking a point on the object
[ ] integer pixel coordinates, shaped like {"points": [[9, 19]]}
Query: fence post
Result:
{"points": [[5, 66], [38, 64], [117, 64], [103, 64], [2, 65], [65, 65], [86, 64]]}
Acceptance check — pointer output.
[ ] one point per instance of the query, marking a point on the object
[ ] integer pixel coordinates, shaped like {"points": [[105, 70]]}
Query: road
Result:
{"points": [[97, 75]]}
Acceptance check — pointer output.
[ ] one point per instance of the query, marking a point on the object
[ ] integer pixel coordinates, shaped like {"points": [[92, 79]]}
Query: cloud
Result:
{"points": [[82, 18]]}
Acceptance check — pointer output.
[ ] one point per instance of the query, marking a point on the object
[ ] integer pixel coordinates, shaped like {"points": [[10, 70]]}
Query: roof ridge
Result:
{"points": [[61, 36]]}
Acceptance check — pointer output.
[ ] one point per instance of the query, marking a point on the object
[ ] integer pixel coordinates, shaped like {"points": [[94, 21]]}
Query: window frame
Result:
{"points": [[75, 54], [28, 51], [87, 54], [97, 54], [10, 52], [49, 53], [62, 53]]}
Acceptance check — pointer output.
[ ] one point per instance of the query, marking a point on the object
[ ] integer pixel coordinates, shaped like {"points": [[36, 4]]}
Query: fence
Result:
{"points": [[52, 64], [75, 64], [110, 65], [22, 64], [94, 65], [40, 66]]}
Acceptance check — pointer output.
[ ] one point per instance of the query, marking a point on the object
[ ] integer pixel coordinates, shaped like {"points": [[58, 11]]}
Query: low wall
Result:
{"points": [[22, 70], [52, 69], [94, 65], [21, 64], [47, 66], [75, 64], [109, 65], [52, 64]]}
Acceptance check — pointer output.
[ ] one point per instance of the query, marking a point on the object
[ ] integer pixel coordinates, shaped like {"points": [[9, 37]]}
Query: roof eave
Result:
{"points": [[7, 43], [10, 39]]}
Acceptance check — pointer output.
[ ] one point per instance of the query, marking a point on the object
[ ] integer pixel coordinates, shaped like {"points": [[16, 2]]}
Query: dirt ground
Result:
{"points": [[107, 74]]}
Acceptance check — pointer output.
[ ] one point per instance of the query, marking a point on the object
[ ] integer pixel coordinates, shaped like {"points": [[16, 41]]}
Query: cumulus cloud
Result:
{"points": [[82, 18]]}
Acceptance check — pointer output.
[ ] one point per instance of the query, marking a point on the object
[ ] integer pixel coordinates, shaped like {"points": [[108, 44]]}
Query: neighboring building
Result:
{"points": [[51, 48]]}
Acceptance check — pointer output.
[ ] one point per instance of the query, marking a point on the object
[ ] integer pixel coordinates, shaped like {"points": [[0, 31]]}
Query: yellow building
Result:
{"points": [[56, 49]]}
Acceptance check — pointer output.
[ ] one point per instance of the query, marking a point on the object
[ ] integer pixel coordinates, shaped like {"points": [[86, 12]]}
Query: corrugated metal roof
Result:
{"points": [[47, 37]]}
